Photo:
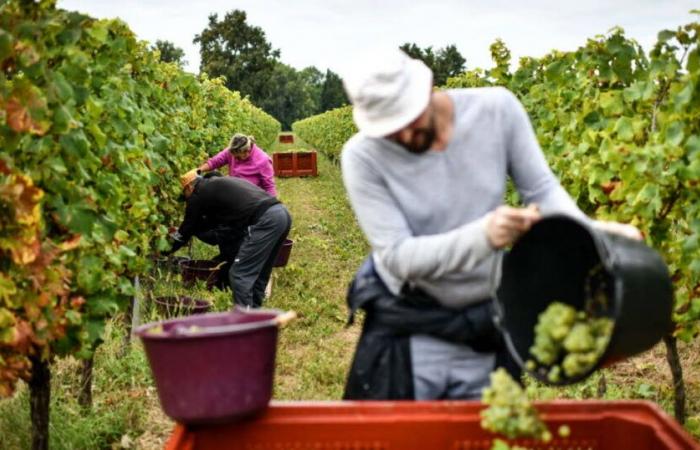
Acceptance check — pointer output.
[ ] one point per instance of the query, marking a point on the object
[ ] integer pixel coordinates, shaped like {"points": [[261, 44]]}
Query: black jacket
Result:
{"points": [[381, 368], [222, 202]]}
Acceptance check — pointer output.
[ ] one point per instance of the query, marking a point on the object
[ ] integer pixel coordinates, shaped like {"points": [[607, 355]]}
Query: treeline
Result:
{"points": [[233, 48]]}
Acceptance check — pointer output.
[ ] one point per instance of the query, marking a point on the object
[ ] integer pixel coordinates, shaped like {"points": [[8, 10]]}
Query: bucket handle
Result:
{"points": [[284, 318], [494, 279]]}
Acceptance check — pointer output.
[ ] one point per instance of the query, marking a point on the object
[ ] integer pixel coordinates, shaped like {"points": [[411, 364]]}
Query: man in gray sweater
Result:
{"points": [[426, 176]]}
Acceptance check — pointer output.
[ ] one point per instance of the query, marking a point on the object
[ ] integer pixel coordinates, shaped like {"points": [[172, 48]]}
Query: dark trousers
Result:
{"points": [[252, 266]]}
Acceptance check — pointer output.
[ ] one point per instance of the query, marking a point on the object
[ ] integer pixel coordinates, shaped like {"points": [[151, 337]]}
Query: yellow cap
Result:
{"points": [[188, 178]]}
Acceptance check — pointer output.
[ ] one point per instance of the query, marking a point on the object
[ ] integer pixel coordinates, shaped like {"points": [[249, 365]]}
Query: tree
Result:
{"points": [[169, 52], [313, 79], [332, 93], [445, 62], [294, 96], [240, 52]]}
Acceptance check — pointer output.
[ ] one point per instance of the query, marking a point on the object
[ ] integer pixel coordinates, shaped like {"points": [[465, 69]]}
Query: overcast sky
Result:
{"points": [[328, 33]]}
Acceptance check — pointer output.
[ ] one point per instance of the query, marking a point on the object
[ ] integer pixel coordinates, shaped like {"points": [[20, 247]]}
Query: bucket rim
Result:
{"points": [[214, 331], [217, 266]]}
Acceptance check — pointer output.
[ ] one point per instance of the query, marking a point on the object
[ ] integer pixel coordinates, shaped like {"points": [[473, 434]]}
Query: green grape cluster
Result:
{"points": [[568, 342], [503, 445], [510, 412]]}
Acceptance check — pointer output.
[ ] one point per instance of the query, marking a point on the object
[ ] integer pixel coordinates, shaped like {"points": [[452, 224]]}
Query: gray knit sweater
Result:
{"points": [[424, 214]]}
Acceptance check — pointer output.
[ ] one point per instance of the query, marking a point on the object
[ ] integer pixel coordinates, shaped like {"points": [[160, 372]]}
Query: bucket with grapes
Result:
{"points": [[571, 299]]}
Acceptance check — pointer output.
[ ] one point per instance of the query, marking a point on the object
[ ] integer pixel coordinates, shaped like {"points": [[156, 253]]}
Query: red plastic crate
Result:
{"points": [[287, 138], [595, 425], [295, 164]]}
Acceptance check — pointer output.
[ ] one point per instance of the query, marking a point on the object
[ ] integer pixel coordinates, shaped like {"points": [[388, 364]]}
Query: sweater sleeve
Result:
{"points": [[527, 165], [220, 159], [408, 257], [267, 180]]}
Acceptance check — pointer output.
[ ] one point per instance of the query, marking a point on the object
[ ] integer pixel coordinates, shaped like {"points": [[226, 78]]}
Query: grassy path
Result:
{"points": [[315, 351]]}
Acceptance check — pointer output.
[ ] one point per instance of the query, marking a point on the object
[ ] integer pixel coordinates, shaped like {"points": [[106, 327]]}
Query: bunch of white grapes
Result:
{"points": [[568, 342], [510, 412]]}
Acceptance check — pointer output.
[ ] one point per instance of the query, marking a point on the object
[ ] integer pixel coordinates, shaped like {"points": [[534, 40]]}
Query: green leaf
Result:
{"points": [[5, 44], [624, 129], [69, 35], [611, 102], [674, 133], [645, 390], [555, 69], [74, 317], [62, 87], [693, 65], [683, 97], [61, 119], [56, 164], [90, 273], [97, 134], [80, 219], [98, 31], [666, 35], [94, 107], [75, 143], [692, 144]]}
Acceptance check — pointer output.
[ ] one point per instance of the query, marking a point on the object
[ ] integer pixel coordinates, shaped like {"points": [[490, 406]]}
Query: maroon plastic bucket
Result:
{"points": [[215, 367], [283, 254], [173, 306], [200, 269], [169, 263]]}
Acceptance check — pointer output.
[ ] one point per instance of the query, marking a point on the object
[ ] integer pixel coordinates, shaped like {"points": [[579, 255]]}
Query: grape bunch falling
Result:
{"points": [[568, 343]]}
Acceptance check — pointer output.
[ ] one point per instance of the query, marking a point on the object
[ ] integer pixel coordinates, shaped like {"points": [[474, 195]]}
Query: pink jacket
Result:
{"points": [[256, 168]]}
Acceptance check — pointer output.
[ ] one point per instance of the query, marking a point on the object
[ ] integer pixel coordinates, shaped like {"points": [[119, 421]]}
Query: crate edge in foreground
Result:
{"points": [[454, 424]]}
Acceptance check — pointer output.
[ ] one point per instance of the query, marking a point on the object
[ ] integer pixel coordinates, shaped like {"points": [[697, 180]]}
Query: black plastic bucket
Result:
{"points": [[552, 261]]}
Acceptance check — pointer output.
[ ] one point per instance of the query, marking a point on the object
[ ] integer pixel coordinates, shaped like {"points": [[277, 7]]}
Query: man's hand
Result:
{"points": [[621, 229], [505, 224]]}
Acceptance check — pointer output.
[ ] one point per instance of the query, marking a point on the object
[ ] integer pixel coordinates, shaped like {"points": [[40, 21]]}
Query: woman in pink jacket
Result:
{"points": [[245, 160]]}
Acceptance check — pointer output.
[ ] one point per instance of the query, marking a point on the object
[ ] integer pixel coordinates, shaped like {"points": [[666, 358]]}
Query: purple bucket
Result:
{"points": [[283, 254], [169, 263], [200, 269], [172, 306], [213, 368]]}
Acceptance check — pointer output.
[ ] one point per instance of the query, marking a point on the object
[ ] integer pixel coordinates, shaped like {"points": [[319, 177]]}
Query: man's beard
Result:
{"points": [[422, 138]]}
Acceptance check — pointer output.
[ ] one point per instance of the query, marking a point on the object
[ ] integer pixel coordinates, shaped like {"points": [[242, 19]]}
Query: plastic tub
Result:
{"points": [[172, 306], [595, 425], [284, 253], [213, 367], [200, 269], [552, 261], [169, 263]]}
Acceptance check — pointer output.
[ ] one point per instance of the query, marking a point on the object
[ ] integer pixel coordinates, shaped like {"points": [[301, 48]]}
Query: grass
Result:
{"points": [[314, 351]]}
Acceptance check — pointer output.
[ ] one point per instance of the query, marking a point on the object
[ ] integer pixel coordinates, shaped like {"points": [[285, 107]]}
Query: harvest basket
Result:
{"points": [[595, 425], [295, 164]]}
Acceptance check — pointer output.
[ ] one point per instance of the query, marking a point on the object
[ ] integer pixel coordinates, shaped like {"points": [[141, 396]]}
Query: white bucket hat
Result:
{"points": [[388, 92]]}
